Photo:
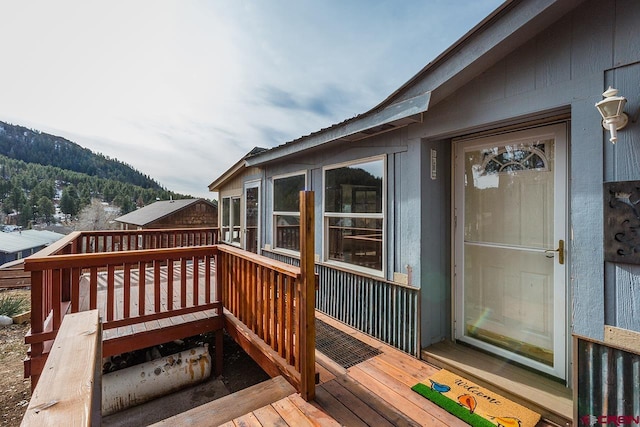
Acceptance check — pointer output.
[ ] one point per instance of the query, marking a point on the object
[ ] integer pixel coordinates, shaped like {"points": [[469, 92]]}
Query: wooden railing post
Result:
{"points": [[69, 390], [307, 331], [37, 324]]}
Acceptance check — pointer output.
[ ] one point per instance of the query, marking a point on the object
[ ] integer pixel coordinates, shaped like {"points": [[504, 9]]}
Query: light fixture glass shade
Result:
{"points": [[611, 109]]}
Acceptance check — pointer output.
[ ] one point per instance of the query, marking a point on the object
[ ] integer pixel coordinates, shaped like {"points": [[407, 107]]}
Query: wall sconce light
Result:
{"points": [[610, 108]]}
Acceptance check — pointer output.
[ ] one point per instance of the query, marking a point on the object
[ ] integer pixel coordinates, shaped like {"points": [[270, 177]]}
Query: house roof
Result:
{"points": [[17, 241], [233, 170], [509, 26], [157, 211]]}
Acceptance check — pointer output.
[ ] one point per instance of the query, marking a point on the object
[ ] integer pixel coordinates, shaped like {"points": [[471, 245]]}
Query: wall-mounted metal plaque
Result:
{"points": [[622, 222]]}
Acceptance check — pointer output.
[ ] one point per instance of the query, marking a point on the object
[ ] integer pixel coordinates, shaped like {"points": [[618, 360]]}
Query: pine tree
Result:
{"points": [[69, 201]]}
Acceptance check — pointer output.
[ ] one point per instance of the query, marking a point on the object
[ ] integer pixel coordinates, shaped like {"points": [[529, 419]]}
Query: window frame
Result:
{"points": [[231, 226], [276, 213], [326, 216]]}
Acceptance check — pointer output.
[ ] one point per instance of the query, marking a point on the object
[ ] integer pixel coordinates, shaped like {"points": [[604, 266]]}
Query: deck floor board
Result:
{"points": [[376, 392]]}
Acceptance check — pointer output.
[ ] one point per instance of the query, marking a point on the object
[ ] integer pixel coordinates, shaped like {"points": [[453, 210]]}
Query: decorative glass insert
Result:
{"points": [[513, 158]]}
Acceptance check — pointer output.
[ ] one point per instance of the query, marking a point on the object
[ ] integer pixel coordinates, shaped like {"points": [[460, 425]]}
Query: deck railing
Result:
{"points": [[168, 273], [264, 295], [275, 301], [66, 276], [129, 240]]}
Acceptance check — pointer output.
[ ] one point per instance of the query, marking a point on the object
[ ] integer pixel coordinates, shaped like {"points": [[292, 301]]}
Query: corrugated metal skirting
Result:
{"points": [[381, 309], [608, 381]]}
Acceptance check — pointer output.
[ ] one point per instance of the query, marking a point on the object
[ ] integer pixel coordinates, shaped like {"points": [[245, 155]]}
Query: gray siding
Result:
{"points": [[565, 68], [384, 310], [402, 193], [435, 246], [608, 382], [622, 163]]}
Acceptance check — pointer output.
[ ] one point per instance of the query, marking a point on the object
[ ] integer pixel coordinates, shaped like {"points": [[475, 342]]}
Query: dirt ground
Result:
{"points": [[239, 370], [15, 391]]}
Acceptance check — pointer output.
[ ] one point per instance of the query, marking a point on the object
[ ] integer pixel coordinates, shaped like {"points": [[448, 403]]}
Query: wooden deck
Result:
{"points": [[150, 296], [538, 393], [152, 301], [376, 392]]}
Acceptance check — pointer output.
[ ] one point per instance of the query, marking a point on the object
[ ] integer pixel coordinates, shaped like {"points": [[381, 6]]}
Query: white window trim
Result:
{"points": [[231, 224], [383, 216], [256, 183], [275, 213]]}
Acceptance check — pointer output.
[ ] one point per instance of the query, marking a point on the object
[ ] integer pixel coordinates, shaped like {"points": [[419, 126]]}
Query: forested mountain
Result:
{"points": [[31, 146], [39, 171]]}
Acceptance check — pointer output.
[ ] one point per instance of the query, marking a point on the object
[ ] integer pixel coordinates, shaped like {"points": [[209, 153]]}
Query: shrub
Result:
{"points": [[12, 305]]}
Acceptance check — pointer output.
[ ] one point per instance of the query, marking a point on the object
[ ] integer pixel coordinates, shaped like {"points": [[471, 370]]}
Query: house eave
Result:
{"points": [[507, 28], [215, 185], [488, 42], [373, 122]]}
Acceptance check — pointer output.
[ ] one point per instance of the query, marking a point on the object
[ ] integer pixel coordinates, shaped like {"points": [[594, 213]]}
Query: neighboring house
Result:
{"points": [[20, 244], [470, 205], [184, 213]]}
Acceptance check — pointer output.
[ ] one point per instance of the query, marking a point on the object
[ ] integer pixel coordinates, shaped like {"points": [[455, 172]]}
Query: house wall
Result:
{"points": [[392, 311], [557, 75], [565, 69], [199, 214], [12, 256], [435, 241], [402, 196], [234, 187], [562, 71]]}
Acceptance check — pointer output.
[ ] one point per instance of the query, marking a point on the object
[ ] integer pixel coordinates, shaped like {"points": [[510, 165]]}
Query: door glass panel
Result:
{"points": [[508, 225], [226, 219], [235, 220], [251, 220]]}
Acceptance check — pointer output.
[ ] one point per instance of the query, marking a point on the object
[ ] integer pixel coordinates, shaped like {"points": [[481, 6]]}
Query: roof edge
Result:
{"points": [[400, 113], [215, 185]]}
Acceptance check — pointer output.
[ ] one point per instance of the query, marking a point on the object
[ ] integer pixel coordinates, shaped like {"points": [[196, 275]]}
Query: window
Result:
{"points": [[230, 230], [354, 213], [286, 211]]}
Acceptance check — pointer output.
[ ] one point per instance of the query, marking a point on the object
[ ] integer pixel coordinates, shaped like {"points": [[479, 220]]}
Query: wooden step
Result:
{"points": [[233, 405], [547, 397]]}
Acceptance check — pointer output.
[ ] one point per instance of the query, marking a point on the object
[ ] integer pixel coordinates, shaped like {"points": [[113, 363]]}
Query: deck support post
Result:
{"points": [[307, 287]]}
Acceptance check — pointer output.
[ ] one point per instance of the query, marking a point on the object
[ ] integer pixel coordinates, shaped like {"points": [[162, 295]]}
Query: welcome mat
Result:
{"points": [[342, 348], [474, 404]]}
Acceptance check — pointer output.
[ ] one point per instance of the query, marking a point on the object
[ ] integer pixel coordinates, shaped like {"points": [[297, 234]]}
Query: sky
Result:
{"points": [[182, 89]]}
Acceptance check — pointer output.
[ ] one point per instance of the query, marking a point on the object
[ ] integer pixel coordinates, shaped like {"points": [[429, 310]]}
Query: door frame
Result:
{"points": [[251, 184], [561, 310]]}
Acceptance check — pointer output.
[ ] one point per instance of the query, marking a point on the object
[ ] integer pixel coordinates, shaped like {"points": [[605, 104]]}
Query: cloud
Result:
{"points": [[320, 104], [182, 90]]}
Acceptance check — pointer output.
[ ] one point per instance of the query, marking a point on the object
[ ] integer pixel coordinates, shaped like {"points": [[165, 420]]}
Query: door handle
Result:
{"points": [[551, 252]]}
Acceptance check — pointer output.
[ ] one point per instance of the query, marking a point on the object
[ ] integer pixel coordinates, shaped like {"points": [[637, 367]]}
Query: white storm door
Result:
{"points": [[510, 225]]}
